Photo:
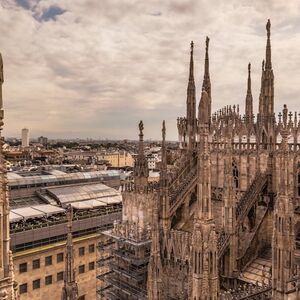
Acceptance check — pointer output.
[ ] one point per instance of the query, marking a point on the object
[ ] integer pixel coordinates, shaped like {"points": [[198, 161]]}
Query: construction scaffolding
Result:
{"points": [[123, 267]]}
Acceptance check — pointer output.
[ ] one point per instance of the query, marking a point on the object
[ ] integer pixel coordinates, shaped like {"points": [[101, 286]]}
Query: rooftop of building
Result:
{"points": [[46, 205], [53, 176]]}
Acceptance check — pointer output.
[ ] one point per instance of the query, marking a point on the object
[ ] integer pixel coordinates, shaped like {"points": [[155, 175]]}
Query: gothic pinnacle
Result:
{"points": [[141, 135], [206, 86], [206, 67], [163, 131], [191, 75], [140, 170], [249, 79], [268, 48]]}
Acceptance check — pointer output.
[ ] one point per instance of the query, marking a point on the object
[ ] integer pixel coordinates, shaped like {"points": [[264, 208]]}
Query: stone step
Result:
{"points": [[253, 273], [263, 261]]}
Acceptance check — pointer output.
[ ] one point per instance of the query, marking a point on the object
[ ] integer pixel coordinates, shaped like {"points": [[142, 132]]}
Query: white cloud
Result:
{"points": [[95, 68]]}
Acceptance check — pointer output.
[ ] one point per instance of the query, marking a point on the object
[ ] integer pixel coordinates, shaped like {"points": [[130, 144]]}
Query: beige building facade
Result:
{"points": [[40, 271], [118, 159]]}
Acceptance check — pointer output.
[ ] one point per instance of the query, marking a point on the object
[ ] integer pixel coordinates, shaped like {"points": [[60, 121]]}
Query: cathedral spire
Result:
{"points": [[163, 151], [204, 269], [191, 75], [70, 288], [206, 85], [204, 172], [164, 200], [191, 102], [268, 48], [266, 116], [141, 171], [163, 168], [249, 99]]}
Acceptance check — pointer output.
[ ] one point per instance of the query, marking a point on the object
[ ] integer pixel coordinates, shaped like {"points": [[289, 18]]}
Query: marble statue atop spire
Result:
{"points": [[141, 171], [268, 48]]}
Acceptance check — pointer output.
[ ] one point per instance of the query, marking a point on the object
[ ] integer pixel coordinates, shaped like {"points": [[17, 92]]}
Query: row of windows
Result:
{"points": [[36, 264], [36, 284]]}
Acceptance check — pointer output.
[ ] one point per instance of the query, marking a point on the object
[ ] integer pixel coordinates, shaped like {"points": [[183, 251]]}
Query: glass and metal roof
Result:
{"points": [[32, 212], [80, 205], [99, 192], [15, 179], [13, 217], [49, 209], [28, 212]]}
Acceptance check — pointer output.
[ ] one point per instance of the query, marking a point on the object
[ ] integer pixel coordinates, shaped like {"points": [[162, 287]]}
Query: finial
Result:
{"points": [[285, 114], [249, 68], [268, 65], [141, 127], [207, 43], [268, 27], [163, 130], [191, 75]]}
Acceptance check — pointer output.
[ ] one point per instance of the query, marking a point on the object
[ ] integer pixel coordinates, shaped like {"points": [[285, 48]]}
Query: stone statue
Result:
{"points": [[268, 27], [163, 130], [141, 127], [206, 43]]}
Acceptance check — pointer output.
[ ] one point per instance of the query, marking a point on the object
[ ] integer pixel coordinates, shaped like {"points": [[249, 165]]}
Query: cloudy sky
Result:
{"points": [[94, 68]]}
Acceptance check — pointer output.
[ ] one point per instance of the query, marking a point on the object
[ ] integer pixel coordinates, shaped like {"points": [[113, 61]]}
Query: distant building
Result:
{"points": [[43, 140], [117, 159], [25, 137], [153, 157], [151, 161]]}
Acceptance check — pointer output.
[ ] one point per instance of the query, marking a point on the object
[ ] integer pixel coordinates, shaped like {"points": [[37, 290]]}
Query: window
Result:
{"points": [[235, 173], [81, 269], [23, 288], [91, 248], [23, 268], [48, 260], [59, 257], [36, 284], [36, 264], [60, 276], [48, 279], [91, 265], [81, 251]]}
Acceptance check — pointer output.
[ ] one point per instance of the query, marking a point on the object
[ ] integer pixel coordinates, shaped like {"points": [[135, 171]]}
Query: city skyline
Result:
{"points": [[88, 70]]}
